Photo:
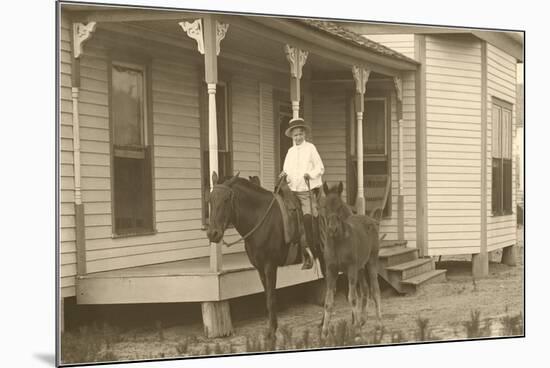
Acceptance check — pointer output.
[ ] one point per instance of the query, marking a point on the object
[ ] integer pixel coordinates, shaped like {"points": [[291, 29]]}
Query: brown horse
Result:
{"points": [[351, 246], [256, 216]]}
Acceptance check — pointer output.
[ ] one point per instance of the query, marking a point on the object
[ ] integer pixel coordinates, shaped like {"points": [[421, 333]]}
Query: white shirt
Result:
{"points": [[302, 159]]}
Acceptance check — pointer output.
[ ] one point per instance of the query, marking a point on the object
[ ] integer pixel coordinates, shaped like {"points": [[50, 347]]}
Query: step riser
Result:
{"points": [[417, 270], [409, 289], [399, 258]]}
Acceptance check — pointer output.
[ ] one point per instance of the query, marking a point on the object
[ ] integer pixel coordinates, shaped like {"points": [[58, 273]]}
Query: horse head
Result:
{"points": [[336, 211], [221, 200]]}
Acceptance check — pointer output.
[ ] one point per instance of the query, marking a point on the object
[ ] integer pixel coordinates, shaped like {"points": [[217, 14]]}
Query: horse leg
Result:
{"points": [[364, 288], [352, 294], [270, 285], [372, 270], [332, 275]]}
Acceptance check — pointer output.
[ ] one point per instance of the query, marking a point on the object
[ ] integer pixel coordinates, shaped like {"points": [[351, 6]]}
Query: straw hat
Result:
{"points": [[297, 123]]}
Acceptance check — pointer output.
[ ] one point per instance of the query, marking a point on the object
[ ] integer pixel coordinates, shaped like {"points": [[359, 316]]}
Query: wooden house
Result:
{"points": [[152, 101], [466, 90]]}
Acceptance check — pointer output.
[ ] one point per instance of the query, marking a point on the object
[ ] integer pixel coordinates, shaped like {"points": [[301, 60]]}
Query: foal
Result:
{"points": [[351, 247]]}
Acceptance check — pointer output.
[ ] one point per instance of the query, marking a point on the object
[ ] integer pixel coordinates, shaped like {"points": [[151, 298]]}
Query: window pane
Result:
{"points": [[496, 131], [507, 186], [496, 193], [506, 133], [374, 131], [127, 106], [133, 195]]}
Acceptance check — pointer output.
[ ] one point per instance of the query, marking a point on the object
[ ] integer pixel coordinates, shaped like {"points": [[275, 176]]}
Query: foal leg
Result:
{"points": [[352, 295], [332, 275], [372, 270], [364, 295]]}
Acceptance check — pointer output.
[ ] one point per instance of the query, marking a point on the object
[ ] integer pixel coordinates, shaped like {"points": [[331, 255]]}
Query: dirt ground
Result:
{"points": [[444, 308]]}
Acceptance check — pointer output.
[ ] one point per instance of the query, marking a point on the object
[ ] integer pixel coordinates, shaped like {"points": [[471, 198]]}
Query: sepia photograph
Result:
{"points": [[234, 183]]}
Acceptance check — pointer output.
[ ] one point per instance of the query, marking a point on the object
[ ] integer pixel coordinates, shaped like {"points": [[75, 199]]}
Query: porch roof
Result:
{"points": [[355, 38]]}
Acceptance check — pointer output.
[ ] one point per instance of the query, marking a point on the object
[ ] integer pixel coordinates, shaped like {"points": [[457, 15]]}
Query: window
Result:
{"points": [[131, 165], [375, 122], [501, 158], [225, 157], [376, 155], [374, 132]]}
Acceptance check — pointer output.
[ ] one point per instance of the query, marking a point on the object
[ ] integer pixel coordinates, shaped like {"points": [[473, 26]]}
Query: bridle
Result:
{"points": [[235, 213]]}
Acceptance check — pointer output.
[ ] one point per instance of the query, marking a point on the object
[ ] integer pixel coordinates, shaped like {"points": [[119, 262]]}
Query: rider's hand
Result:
{"points": [[306, 176], [282, 174]]}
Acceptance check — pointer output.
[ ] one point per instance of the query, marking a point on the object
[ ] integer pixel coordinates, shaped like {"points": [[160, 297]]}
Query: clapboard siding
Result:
{"points": [[246, 128], [67, 214], [403, 43], [329, 131], [501, 83], [453, 139], [176, 130], [267, 136]]}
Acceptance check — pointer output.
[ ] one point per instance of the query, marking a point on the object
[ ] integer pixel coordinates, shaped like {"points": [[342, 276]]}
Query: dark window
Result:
{"points": [[225, 157], [501, 158], [132, 174], [374, 131], [376, 158]]}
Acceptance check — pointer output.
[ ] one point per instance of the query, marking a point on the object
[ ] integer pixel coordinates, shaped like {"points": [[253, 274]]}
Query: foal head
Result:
{"points": [[336, 211], [221, 200]]}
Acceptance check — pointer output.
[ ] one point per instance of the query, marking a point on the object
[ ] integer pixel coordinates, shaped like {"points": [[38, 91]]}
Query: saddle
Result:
{"points": [[291, 211]]}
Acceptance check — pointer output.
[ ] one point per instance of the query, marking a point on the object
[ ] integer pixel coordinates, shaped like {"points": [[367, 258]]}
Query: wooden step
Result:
{"points": [[412, 268], [410, 285], [392, 243], [394, 255]]}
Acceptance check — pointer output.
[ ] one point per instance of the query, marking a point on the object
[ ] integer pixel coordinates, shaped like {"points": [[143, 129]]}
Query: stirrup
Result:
{"points": [[308, 259]]}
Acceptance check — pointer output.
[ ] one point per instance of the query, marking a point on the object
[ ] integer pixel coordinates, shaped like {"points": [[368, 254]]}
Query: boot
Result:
{"points": [[308, 256]]}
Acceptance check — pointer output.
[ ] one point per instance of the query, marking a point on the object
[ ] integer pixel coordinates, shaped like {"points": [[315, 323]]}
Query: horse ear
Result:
{"points": [[325, 188], [214, 178], [340, 188], [237, 174]]}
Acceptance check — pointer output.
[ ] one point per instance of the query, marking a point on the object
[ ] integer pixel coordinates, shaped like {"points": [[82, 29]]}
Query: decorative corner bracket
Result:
{"points": [[194, 30], [361, 76], [81, 33], [297, 58], [398, 87], [221, 30]]}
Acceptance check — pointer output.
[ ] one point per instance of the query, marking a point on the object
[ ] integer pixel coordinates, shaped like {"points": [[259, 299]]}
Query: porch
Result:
{"points": [[198, 82], [189, 280]]}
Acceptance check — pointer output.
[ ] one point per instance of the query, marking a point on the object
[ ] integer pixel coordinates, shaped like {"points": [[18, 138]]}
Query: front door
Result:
{"points": [[283, 113]]}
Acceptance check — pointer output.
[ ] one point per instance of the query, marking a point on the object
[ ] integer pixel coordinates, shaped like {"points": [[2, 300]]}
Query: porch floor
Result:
{"points": [[184, 281]]}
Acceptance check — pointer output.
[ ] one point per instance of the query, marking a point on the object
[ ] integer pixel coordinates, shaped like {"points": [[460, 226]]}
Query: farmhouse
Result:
{"points": [[152, 101]]}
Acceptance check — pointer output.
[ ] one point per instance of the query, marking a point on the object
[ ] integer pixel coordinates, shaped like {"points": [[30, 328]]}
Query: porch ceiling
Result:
{"points": [[260, 37], [240, 41]]}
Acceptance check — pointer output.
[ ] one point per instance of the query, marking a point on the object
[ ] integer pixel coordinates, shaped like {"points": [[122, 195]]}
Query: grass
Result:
{"points": [[512, 325], [98, 344], [474, 328], [89, 344]]}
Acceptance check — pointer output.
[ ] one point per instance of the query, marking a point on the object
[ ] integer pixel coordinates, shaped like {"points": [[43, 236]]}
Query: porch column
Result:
{"points": [[81, 33], [361, 75], [400, 195], [208, 33], [297, 58]]}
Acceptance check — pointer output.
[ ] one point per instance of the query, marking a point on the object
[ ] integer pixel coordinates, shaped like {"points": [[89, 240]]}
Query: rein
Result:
{"points": [[244, 237]]}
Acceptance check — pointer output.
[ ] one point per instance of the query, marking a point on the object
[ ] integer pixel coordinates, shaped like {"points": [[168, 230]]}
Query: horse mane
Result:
{"points": [[245, 183]]}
